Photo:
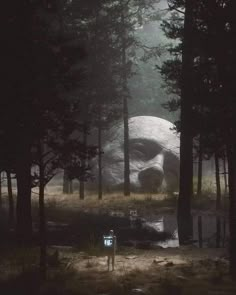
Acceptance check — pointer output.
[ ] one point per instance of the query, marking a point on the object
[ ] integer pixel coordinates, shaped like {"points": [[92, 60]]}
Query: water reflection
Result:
{"points": [[214, 230], [157, 230]]}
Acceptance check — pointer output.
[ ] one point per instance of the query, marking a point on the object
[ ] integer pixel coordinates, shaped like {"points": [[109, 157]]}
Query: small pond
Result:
{"points": [[137, 231]]}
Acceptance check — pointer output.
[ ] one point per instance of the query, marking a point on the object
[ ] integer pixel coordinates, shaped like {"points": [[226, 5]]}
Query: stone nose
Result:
{"points": [[151, 178]]}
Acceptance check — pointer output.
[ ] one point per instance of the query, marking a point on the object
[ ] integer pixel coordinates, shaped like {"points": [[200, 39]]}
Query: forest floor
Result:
{"points": [[185, 270], [83, 270]]}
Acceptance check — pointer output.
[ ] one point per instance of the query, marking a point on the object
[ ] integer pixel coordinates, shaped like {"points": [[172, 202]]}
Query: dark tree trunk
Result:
{"points": [[11, 217], [42, 219], [71, 186], [81, 181], [199, 178], [23, 206], [225, 175], [218, 231], [218, 200], [200, 231], [0, 190], [186, 141], [99, 161], [125, 112], [231, 155], [126, 149], [81, 190], [67, 184], [227, 60], [218, 187]]}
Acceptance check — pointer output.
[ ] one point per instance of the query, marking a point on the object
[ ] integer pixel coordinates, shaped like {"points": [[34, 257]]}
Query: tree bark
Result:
{"points": [[81, 190], [199, 178], [42, 219], [218, 187], [67, 184], [125, 111], [231, 155], [218, 200], [126, 149], [225, 175], [200, 231], [81, 181], [99, 161], [0, 190], [23, 206], [218, 231], [184, 217], [11, 218]]}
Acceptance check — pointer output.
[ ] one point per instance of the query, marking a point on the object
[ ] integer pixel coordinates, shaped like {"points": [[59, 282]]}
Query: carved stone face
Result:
{"points": [[154, 155]]}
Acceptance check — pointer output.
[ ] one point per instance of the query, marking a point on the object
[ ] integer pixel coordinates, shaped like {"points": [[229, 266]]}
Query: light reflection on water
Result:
{"points": [[168, 223], [159, 226]]}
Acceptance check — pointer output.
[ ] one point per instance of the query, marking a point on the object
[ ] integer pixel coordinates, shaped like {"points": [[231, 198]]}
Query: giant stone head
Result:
{"points": [[154, 155]]}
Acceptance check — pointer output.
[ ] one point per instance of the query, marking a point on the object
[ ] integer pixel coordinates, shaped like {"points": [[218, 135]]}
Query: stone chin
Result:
{"points": [[154, 155]]}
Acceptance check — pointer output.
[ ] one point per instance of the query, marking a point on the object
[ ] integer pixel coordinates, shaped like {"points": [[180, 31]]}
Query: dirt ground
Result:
{"points": [[185, 270], [143, 260]]}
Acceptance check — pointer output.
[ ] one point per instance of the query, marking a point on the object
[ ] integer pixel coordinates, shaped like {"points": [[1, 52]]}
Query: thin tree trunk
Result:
{"points": [[218, 187], [126, 149], [81, 189], [71, 186], [81, 181], [23, 206], [184, 217], [42, 219], [231, 155], [125, 112], [225, 175], [218, 231], [218, 200], [200, 231], [224, 232], [99, 161], [11, 218], [199, 179], [67, 184], [0, 190]]}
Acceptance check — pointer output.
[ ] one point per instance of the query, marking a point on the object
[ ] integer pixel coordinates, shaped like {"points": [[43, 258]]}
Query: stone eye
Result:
{"points": [[143, 149], [138, 149]]}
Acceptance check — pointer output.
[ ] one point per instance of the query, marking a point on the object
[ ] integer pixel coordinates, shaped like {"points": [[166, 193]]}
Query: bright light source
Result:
{"points": [[108, 241]]}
